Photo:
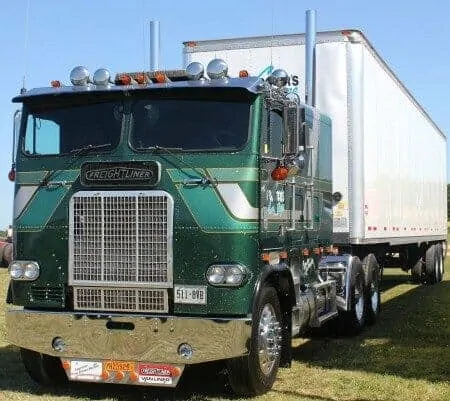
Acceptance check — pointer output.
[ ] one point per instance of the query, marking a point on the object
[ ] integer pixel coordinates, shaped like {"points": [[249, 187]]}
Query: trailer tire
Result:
{"points": [[255, 373], [44, 369], [417, 276], [432, 272], [372, 276], [440, 264], [351, 322]]}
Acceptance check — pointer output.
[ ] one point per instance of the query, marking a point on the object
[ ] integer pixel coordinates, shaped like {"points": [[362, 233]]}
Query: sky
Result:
{"points": [[44, 39]]}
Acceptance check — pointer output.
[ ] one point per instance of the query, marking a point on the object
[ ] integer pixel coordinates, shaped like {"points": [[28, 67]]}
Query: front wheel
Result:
{"points": [[352, 321], [372, 280], [255, 373], [44, 369]]}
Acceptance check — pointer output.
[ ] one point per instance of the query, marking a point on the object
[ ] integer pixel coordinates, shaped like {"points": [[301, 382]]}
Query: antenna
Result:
{"points": [[25, 49], [144, 43], [273, 29]]}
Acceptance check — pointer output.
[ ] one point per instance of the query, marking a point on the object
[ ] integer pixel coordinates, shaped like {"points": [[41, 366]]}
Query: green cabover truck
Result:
{"points": [[171, 218]]}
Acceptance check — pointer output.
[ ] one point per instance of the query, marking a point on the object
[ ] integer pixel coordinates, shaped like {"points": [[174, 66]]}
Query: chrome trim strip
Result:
{"points": [[153, 339]]}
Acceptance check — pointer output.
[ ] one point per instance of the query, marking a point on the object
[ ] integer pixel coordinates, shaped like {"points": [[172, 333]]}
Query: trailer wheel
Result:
{"points": [[351, 322], [432, 266], [372, 281], [44, 369], [255, 373]]}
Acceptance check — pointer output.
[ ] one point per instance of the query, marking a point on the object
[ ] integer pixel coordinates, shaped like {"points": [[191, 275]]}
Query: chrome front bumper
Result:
{"points": [[126, 337]]}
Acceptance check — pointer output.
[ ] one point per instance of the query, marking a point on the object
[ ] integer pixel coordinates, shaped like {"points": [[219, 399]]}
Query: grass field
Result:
{"points": [[405, 356]]}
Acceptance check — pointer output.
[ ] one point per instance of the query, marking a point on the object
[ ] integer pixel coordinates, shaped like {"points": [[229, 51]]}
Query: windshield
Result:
{"points": [[67, 128], [189, 124]]}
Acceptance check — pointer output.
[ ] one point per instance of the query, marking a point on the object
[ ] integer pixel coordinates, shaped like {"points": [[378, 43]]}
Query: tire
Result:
{"points": [[255, 373], [417, 275], [372, 274], [43, 369], [444, 249], [440, 262], [351, 322], [432, 256]]}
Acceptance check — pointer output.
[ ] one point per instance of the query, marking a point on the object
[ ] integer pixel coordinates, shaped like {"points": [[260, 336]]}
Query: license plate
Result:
{"points": [[190, 294], [85, 370]]}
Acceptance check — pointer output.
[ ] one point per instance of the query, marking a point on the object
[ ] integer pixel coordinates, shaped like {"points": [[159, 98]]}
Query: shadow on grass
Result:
{"points": [[197, 383], [411, 338]]}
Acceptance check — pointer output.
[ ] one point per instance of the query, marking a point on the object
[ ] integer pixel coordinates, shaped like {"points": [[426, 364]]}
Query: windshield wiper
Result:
{"points": [[204, 180], [157, 147], [88, 147], [76, 152]]}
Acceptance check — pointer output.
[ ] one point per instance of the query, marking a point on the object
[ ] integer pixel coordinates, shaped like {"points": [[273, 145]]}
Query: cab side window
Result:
{"points": [[272, 138]]}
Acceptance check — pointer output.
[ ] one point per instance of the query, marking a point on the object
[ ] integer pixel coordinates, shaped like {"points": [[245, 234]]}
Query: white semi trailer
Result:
{"points": [[389, 157]]}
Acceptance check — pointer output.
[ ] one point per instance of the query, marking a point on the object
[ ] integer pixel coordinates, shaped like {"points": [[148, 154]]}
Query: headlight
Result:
{"points": [[24, 270], [15, 270], [226, 275], [215, 275]]}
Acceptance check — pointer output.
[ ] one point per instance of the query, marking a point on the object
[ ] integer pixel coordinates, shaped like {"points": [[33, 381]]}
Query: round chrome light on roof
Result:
{"points": [[101, 77], [217, 69], [278, 78], [195, 70], [79, 76]]}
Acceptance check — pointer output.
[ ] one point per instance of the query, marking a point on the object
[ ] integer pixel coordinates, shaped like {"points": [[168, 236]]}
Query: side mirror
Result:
{"points": [[16, 127], [291, 129]]}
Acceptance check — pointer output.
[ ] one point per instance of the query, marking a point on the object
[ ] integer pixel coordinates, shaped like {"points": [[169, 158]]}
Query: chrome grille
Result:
{"points": [[121, 299], [120, 238]]}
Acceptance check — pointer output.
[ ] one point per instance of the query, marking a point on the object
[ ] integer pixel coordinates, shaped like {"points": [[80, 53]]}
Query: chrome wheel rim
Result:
{"points": [[269, 339], [438, 268], [374, 298]]}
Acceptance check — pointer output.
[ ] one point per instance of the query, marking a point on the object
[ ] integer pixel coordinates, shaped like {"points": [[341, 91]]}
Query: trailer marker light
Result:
{"points": [[243, 74], [134, 376], [105, 375], [65, 364], [55, 83]]}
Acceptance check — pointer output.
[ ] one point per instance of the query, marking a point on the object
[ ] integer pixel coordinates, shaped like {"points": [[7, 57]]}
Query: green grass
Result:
{"points": [[404, 356]]}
